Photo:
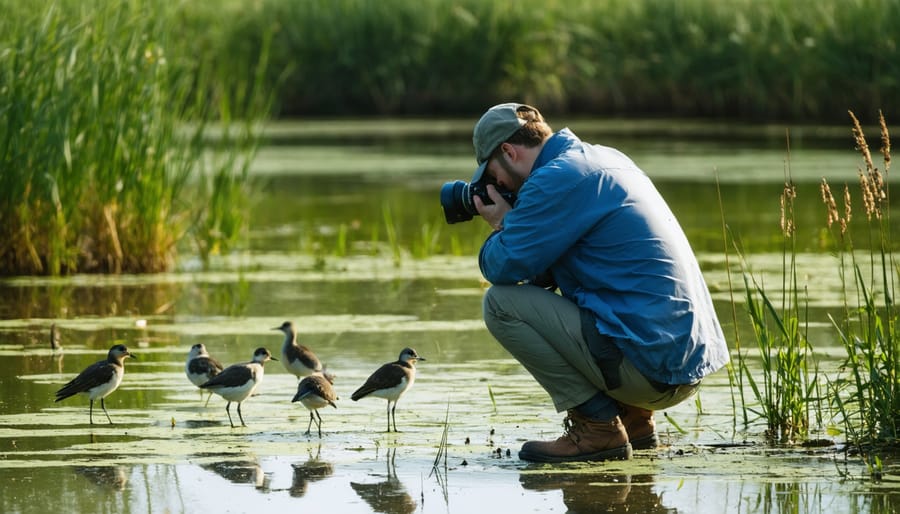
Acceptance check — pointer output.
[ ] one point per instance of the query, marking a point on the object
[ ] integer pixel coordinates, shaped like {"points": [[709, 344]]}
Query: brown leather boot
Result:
{"points": [[640, 426], [583, 440]]}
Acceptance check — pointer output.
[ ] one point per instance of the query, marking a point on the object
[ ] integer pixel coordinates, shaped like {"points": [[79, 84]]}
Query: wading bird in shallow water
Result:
{"points": [[315, 392], [238, 381], [297, 359], [201, 367], [98, 380], [390, 381]]}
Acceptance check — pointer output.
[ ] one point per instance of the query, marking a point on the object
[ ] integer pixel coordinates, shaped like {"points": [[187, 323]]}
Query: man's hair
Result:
{"points": [[533, 132]]}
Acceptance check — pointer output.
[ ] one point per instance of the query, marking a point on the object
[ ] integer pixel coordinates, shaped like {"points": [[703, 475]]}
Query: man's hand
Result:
{"points": [[492, 214]]}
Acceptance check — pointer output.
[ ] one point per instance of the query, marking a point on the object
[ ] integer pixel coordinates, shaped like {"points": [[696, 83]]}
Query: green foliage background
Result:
{"points": [[753, 59], [106, 105]]}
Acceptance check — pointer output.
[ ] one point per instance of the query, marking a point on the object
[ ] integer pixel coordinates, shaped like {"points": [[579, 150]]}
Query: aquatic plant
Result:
{"points": [[869, 396], [785, 387]]}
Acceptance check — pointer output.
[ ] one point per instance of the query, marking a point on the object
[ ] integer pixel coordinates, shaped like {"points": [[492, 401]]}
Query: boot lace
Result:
{"points": [[571, 429]]}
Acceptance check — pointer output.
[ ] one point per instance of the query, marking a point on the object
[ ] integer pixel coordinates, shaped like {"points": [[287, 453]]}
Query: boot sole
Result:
{"points": [[620, 453], [648, 442]]}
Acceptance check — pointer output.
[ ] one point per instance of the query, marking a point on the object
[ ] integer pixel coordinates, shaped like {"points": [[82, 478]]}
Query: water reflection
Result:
{"points": [[107, 477], [80, 296], [599, 492], [240, 472], [56, 361], [55, 338], [389, 495], [313, 470], [295, 262], [200, 423], [787, 497]]}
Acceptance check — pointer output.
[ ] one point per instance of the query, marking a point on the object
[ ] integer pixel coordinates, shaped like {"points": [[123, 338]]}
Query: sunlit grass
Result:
{"points": [[869, 396], [863, 401], [101, 172], [784, 388]]}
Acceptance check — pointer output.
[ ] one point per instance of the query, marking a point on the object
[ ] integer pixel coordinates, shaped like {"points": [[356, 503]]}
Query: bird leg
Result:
{"points": [[394, 416], [228, 411], [91, 412], [207, 398], [389, 415], [240, 416], [319, 423], [309, 425], [103, 405]]}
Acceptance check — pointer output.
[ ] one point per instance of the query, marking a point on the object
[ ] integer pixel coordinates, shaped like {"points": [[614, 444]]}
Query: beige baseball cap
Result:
{"points": [[497, 125]]}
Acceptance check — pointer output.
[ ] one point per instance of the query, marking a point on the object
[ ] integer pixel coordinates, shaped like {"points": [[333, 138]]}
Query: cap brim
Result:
{"points": [[479, 172]]}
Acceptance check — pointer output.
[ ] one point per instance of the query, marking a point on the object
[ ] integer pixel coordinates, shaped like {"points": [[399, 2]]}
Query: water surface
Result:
{"points": [[318, 253]]}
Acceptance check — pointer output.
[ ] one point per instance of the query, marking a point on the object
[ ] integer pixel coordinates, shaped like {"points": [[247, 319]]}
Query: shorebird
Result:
{"points": [[296, 358], [238, 381], [315, 392], [390, 381], [98, 380], [201, 367]]}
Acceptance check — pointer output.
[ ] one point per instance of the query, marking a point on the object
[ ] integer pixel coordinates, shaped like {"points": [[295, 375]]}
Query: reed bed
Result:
{"points": [[103, 139], [804, 60]]}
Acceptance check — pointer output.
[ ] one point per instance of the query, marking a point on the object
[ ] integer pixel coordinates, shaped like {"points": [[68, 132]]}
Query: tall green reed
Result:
{"points": [[869, 396], [106, 116], [735, 375], [785, 386]]}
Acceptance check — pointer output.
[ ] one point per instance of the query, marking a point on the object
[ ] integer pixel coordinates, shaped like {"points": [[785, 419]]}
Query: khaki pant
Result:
{"points": [[542, 330]]}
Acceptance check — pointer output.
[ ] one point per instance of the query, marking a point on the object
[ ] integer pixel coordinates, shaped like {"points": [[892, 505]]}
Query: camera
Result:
{"points": [[456, 199]]}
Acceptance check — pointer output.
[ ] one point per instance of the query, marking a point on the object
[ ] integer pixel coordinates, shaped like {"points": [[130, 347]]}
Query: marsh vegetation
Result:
{"points": [[132, 142]]}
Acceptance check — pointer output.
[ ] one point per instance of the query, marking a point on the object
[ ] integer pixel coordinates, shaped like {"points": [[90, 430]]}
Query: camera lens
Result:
{"points": [[457, 202]]}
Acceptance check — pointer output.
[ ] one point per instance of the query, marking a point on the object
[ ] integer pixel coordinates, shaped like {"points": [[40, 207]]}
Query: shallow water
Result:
{"points": [[169, 453]]}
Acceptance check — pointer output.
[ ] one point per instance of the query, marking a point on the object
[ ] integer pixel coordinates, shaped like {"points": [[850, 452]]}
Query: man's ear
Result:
{"points": [[509, 150]]}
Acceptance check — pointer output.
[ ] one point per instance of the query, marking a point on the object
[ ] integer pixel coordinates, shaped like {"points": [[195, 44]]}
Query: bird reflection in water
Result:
{"points": [[605, 492], [240, 472], [313, 470], [389, 495], [113, 478], [56, 349]]}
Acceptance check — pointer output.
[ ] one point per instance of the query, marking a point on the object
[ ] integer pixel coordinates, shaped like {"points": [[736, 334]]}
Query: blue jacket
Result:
{"points": [[591, 217]]}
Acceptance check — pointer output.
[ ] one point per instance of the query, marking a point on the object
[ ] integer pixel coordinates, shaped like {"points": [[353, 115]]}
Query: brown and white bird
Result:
{"points": [[299, 360], [98, 380], [201, 367], [314, 392], [390, 381], [237, 382]]}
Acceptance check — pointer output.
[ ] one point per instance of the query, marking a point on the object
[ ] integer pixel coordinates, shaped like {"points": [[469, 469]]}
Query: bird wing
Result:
{"points": [[386, 376], [96, 374], [204, 365], [313, 360], [234, 374], [317, 385]]}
